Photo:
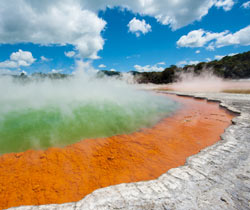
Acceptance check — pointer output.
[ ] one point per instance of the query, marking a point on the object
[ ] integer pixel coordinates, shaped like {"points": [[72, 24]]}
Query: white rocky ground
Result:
{"points": [[216, 178]]}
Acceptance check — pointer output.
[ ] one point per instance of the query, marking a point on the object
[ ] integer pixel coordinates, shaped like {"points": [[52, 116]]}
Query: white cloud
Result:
{"points": [[113, 70], [246, 5], [219, 57], [55, 71], [7, 72], [133, 56], [185, 62], [51, 22], [225, 4], [232, 54], [76, 22], [161, 63], [190, 62], [177, 13], [11, 72], [211, 47], [102, 66], [182, 63], [18, 59], [70, 54], [138, 27], [193, 62], [201, 38], [43, 58], [240, 37], [8, 64], [198, 38], [148, 68], [23, 58], [197, 51]]}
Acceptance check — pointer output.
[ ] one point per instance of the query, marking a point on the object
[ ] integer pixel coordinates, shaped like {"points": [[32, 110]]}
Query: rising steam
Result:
{"points": [[40, 113], [206, 82]]}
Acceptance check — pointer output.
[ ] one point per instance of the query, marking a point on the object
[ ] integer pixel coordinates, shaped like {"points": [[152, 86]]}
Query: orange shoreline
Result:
{"points": [[60, 175]]}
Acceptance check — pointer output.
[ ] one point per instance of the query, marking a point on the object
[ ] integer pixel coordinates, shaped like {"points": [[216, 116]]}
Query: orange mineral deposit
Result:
{"points": [[60, 175]]}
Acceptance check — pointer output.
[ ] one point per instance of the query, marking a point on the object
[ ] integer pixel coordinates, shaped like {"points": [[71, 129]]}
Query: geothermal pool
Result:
{"points": [[60, 175], [38, 114], [98, 133]]}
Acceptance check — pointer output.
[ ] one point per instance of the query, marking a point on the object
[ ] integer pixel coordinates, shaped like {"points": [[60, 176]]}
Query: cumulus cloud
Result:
{"points": [[56, 71], [161, 63], [193, 62], [246, 5], [232, 54], [43, 58], [240, 37], [211, 47], [113, 70], [51, 22], [198, 38], [23, 58], [138, 27], [185, 62], [8, 64], [18, 59], [148, 68], [168, 12], [197, 51], [182, 63], [201, 38], [133, 56], [102, 66], [76, 22], [70, 54], [225, 4], [177, 13], [6, 72], [219, 57]]}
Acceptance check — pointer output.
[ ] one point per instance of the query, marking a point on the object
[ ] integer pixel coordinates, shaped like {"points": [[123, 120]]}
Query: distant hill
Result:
{"points": [[37, 76], [233, 67], [230, 67]]}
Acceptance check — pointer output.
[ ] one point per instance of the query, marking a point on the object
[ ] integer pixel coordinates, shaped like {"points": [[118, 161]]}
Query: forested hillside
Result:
{"points": [[230, 67]]}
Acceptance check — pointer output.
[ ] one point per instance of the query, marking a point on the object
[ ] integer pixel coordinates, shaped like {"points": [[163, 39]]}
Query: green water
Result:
{"points": [[34, 128], [38, 114]]}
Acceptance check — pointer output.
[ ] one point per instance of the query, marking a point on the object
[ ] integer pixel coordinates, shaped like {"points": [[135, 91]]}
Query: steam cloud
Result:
{"points": [[43, 113], [206, 82]]}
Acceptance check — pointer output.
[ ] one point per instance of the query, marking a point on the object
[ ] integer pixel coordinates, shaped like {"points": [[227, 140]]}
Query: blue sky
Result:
{"points": [[149, 44]]}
